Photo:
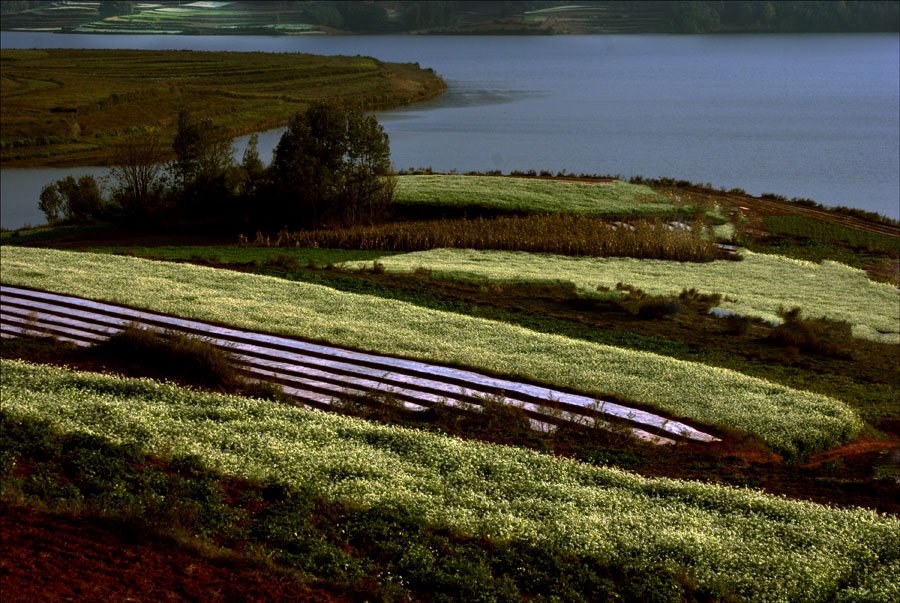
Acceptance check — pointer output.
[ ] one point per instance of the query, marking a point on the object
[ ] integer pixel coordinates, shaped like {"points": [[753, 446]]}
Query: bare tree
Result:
{"points": [[138, 173]]}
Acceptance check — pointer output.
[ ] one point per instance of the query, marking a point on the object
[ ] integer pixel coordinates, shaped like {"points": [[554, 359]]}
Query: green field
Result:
{"points": [[792, 422], [70, 106], [756, 286], [613, 198], [758, 546]]}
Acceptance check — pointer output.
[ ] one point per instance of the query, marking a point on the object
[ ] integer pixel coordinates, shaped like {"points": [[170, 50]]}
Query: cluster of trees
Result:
{"points": [[331, 167], [787, 16], [681, 16]]}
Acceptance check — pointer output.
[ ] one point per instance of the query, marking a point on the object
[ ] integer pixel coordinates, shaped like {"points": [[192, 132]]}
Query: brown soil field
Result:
{"points": [[57, 557]]}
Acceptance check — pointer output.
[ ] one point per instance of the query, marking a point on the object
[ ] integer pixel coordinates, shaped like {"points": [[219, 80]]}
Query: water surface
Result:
{"points": [[813, 116]]}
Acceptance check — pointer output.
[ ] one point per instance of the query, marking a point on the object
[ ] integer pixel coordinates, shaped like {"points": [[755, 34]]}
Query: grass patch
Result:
{"points": [[866, 381], [288, 257], [821, 231], [807, 238], [613, 198], [376, 552], [40, 234]]}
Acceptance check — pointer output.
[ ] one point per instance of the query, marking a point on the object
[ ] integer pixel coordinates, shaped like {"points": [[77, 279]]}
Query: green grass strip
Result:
{"points": [[541, 196], [759, 284], [763, 547], [792, 422]]}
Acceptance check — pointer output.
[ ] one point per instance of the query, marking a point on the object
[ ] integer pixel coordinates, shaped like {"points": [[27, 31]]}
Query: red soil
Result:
{"points": [[52, 557]]}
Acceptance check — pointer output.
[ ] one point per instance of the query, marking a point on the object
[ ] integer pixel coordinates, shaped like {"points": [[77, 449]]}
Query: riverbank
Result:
{"points": [[71, 107]]}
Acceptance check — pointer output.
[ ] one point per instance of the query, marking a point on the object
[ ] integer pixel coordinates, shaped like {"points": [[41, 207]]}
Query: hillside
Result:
{"points": [[215, 486]]}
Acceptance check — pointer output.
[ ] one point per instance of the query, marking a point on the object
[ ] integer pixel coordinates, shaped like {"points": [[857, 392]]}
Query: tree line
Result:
{"points": [[331, 167]]}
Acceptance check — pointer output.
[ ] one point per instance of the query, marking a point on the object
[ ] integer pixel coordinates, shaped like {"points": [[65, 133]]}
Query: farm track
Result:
{"points": [[761, 207], [317, 374]]}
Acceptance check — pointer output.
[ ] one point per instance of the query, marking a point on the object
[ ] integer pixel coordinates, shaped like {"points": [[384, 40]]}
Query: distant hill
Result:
{"points": [[454, 16]]}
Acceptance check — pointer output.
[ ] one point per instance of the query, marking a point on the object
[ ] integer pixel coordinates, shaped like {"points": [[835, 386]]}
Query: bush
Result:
{"points": [[176, 356], [70, 200], [818, 336]]}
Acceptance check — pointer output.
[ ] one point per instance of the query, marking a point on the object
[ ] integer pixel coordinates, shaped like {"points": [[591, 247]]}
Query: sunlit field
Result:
{"points": [[791, 422], [756, 286]]}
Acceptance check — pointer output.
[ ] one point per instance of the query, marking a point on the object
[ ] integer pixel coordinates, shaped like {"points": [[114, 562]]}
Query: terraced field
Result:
{"points": [[69, 107], [363, 509], [317, 375], [756, 286], [790, 421]]}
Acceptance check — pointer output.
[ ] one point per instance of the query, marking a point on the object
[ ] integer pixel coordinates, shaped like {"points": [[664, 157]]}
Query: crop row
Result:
{"points": [[546, 233], [763, 547], [757, 286], [791, 422]]}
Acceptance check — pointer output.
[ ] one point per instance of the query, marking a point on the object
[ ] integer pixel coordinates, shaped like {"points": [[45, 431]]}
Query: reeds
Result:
{"points": [[558, 234]]}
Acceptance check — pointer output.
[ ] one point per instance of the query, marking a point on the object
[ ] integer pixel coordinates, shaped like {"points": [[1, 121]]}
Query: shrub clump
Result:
{"points": [[818, 336], [175, 356]]}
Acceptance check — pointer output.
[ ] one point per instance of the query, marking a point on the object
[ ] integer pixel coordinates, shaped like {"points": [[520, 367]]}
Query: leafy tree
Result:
{"points": [[332, 164], [202, 151], [113, 8], [323, 13], [360, 16], [695, 17], [71, 200], [417, 15]]}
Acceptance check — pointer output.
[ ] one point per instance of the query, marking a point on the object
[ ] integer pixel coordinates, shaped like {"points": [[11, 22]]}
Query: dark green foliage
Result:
{"points": [[362, 16], [332, 165], [114, 8], [187, 359], [658, 308], [181, 357], [72, 201], [202, 170], [818, 336], [323, 13], [794, 16], [435, 13], [702, 301], [812, 231]]}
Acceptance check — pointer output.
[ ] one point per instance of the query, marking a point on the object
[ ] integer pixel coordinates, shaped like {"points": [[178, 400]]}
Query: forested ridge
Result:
{"points": [[462, 16]]}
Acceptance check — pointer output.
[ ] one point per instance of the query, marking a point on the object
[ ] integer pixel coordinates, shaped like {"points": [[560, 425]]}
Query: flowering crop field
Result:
{"points": [[614, 198], [758, 285], [765, 548], [794, 423]]}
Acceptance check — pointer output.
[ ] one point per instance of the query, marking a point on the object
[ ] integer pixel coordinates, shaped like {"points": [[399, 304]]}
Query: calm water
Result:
{"points": [[814, 116]]}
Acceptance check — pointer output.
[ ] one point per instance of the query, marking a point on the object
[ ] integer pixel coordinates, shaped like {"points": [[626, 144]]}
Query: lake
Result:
{"points": [[814, 116]]}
